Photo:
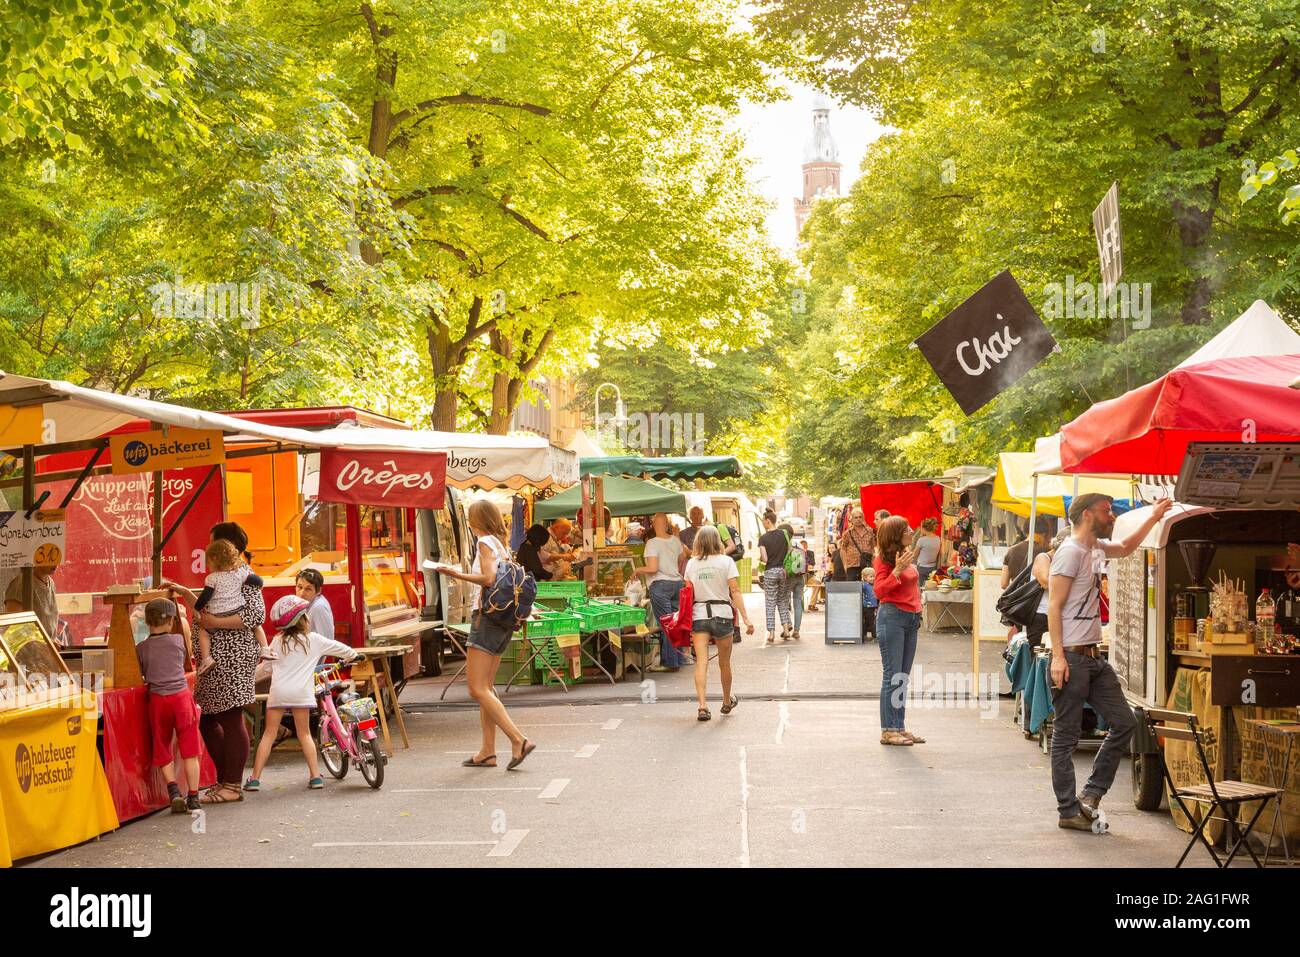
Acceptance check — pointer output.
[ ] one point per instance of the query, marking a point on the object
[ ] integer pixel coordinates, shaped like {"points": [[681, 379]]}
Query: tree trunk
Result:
{"points": [[502, 406], [446, 358]]}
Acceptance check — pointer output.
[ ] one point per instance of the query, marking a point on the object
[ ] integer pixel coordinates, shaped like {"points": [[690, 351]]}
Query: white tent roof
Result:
{"points": [[483, 461], [1259, 331]]}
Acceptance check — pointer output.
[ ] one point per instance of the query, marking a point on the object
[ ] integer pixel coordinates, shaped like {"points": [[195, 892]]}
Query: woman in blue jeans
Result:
{"points": [[897, 622], [663, 561]]}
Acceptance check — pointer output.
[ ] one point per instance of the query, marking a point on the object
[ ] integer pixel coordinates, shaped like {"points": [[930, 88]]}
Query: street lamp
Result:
{"points": [[620, 412]]}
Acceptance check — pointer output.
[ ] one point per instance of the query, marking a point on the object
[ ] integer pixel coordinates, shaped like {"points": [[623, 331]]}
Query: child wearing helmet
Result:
{"points": [[297, 649]]}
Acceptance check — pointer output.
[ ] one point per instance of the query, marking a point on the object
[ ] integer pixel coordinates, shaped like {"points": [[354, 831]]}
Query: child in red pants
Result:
{"points": [[172, 711]]}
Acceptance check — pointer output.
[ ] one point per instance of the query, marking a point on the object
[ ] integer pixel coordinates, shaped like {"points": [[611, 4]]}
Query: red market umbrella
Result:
{"points": [[1147, 430]]}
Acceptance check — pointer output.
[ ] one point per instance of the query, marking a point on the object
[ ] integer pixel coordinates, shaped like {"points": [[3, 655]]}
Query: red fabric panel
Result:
{"points": [[915, 501], [1149, 428], [136, 785]]}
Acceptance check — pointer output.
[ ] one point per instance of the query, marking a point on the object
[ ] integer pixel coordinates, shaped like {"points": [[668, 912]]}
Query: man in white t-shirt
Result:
{"points": [[1079, 675]]}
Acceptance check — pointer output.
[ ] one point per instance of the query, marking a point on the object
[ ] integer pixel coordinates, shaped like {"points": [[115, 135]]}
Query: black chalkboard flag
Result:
{"points": [[987, 343]]}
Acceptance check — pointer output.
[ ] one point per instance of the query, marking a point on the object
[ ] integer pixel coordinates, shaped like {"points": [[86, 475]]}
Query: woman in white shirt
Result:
{"points": [[663, 556], [715, 580], [488, 640]]}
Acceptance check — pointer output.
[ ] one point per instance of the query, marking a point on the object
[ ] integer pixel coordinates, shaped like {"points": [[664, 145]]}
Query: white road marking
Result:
{"points": [[407, 843], [435, 790], [586, 751], [611, 725], [506, 846], [553, 789], [785, 687], [744, 807], [783, 721]]}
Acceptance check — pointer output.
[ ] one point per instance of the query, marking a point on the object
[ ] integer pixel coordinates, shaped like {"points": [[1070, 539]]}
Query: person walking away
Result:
{"points": [[715, 581], [297, 649], [309, 586], [797, 571], [172, 711], [487, 641], [857, 545], [1079, 675], [772, 547], [664, 556], [898, 619], [927, 546]]}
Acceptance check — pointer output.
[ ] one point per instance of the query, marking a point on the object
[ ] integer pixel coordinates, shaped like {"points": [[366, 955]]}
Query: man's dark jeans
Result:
{"points": [[1094, 682]]}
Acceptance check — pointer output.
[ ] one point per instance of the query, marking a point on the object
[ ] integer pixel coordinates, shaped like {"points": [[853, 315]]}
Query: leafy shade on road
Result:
{"points": [[1011, 123], [436, 202]]}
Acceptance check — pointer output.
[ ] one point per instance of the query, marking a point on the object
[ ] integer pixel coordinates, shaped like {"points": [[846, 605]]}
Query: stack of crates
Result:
{"points": [[511, 660]]}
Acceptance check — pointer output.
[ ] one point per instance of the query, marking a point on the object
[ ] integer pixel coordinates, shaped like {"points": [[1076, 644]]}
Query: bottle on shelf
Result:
{"points": [[1265, 614]]}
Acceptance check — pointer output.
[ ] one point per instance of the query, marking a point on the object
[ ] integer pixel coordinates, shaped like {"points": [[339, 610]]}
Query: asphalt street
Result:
{"points": [[624, 775]]}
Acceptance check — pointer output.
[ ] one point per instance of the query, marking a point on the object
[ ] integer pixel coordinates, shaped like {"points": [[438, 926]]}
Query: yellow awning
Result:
{"points": [[1013, 486]]}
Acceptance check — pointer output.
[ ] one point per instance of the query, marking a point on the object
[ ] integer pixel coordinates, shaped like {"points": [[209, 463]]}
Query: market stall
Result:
{"points": [[56, 794]]}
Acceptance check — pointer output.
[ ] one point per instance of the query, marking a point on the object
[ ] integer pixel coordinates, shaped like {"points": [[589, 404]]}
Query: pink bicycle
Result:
{"points": [[346, 734]]}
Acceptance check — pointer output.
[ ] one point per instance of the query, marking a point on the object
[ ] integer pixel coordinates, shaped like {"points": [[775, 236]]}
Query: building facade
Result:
{"points": [[821, 164]]}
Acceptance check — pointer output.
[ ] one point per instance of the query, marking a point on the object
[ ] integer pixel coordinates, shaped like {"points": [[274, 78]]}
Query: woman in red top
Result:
{"points": [[897, 622]]}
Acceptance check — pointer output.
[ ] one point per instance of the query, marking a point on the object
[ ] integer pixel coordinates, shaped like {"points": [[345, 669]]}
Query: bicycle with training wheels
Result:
{"points": [[346, 735]]}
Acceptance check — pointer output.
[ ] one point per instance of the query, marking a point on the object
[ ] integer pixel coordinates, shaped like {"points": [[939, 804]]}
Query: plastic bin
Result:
{"points": [[573, 589]]}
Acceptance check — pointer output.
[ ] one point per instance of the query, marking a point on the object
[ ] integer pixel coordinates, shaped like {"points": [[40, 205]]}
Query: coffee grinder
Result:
{"points": [[1198, 554]]}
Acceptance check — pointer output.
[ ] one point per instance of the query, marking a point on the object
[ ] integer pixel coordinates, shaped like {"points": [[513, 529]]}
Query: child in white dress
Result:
{"points": [[297, 651]]}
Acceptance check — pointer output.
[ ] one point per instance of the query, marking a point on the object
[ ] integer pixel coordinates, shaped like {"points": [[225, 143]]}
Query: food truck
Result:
{"points": [[1236, 513]]}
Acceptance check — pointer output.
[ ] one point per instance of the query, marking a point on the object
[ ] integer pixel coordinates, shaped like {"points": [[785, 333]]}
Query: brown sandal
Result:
{"points": [[216, 796], [896, 738], [916, 738]]}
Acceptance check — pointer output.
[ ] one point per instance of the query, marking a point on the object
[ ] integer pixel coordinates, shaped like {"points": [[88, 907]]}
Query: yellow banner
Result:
{"points": [[21, 426], [154, 451], [53, 792]]}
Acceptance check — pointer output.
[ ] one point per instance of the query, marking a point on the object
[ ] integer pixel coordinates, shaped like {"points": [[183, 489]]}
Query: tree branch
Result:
{"points": [[466, 99]]}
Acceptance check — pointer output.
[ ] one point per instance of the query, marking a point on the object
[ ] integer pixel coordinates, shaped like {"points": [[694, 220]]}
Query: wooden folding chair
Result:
{"points": [[1218, 795]]}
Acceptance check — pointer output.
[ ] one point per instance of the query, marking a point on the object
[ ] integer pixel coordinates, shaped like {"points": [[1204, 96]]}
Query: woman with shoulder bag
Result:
{"points": [[1042, 573]]}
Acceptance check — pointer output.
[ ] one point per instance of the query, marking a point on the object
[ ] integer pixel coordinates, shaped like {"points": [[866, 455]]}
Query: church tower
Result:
{"points": [[821, 163]]}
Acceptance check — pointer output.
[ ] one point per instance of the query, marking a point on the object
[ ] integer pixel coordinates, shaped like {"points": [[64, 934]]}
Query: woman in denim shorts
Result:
{"points": [[714, 579], [487, 641]]}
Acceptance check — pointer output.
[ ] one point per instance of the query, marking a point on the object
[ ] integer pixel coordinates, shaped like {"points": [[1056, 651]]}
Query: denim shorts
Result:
{"points": [[487, 636], [715, 627]]}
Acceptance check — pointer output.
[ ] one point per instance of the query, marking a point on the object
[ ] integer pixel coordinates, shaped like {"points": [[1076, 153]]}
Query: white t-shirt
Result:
{"points": [[502, 553], [291, 672], [668, 550], [1081, 617], [711, 579]]}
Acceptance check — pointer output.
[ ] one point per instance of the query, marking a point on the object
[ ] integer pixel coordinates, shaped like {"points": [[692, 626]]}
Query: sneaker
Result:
{"points": [[192, 803], [1089, 802], [252, 784], [178, 804], [1080, 822], [316, 784]]}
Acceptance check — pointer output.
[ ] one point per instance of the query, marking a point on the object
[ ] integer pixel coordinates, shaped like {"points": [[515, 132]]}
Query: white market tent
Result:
{"points": [[77, 416]]}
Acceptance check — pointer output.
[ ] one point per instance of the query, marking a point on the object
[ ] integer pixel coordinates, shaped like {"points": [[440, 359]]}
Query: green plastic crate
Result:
{"points": [[552, 655], [631, 616], [598, 616], [573, 589], [554, 623], [509, 666]]}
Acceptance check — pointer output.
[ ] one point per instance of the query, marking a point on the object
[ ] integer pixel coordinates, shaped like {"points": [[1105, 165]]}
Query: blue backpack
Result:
{"points": [[508, 601]]}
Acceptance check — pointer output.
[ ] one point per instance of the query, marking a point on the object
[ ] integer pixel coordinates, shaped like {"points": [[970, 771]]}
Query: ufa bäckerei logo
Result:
{"points": [[45, 765], [137, 453]]}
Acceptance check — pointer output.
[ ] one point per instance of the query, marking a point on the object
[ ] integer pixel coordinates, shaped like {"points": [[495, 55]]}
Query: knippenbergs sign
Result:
{"points": [[987, 343]]}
